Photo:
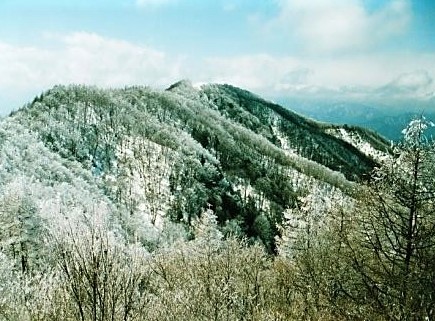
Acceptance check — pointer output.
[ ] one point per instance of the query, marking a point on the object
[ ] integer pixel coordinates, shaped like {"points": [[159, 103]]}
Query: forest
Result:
{"points": [[209, 204]]}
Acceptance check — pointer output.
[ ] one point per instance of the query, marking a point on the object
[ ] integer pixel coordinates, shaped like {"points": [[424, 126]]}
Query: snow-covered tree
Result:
{"points": [[22, 232], [397, 230], [103, 278], [388, 241]]}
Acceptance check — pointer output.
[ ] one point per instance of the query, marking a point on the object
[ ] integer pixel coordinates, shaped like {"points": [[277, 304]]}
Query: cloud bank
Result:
{"points": [[337, 25], [89, 58], [85, 58]]}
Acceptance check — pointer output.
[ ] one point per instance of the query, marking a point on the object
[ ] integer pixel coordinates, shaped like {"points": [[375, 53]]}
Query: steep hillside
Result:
{"points": [[169, 155], [40, 190], [305, 137]]}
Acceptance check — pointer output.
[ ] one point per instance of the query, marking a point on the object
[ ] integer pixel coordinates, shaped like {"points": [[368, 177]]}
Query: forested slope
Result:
{"points": [[209, 203], [171, 154]]}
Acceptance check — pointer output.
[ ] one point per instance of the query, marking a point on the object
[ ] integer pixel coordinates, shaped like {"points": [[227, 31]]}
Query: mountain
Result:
{"points": [[209, 203], [185, 204], [152, 157], [388, 119]]}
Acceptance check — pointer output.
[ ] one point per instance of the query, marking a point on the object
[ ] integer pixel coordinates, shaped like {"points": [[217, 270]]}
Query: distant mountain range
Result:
{"points": [[386, 119]]}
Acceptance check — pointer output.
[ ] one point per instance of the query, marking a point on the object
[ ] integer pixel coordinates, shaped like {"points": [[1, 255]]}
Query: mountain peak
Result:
{"points": [[181, 85]]}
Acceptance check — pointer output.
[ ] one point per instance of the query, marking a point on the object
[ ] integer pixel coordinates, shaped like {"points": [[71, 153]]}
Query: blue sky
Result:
{"points": [[349, 48]]}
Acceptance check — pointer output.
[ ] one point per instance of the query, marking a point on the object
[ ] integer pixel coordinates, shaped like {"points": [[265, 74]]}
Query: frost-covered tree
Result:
{"points": [[314, 211], [209, 278], [103, 278], [397, 230], [389, 240], [22, 231], [9, 289], [373, 258]]}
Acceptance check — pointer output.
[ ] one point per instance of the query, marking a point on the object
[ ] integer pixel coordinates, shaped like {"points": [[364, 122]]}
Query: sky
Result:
{"points": [[276, 48]]}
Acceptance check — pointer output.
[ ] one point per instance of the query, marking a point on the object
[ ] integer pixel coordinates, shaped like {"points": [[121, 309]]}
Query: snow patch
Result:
{"points": [[357, 141], [141, 179], [285, 146]]}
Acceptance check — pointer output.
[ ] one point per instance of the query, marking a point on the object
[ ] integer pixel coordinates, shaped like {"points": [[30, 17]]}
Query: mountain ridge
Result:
{"points": [[167, 154]]}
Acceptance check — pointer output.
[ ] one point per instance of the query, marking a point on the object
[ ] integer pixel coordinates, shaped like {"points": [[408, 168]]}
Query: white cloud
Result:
{"points": [[416, 83], [358, 76], [85, 58], [255, 72], [298, 76], [412, 81], [340, 25], [92, 59], [110, 62]]}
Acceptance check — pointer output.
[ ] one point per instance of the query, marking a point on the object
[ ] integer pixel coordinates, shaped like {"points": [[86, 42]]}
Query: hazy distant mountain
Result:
{"points": [[386, 119]]}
